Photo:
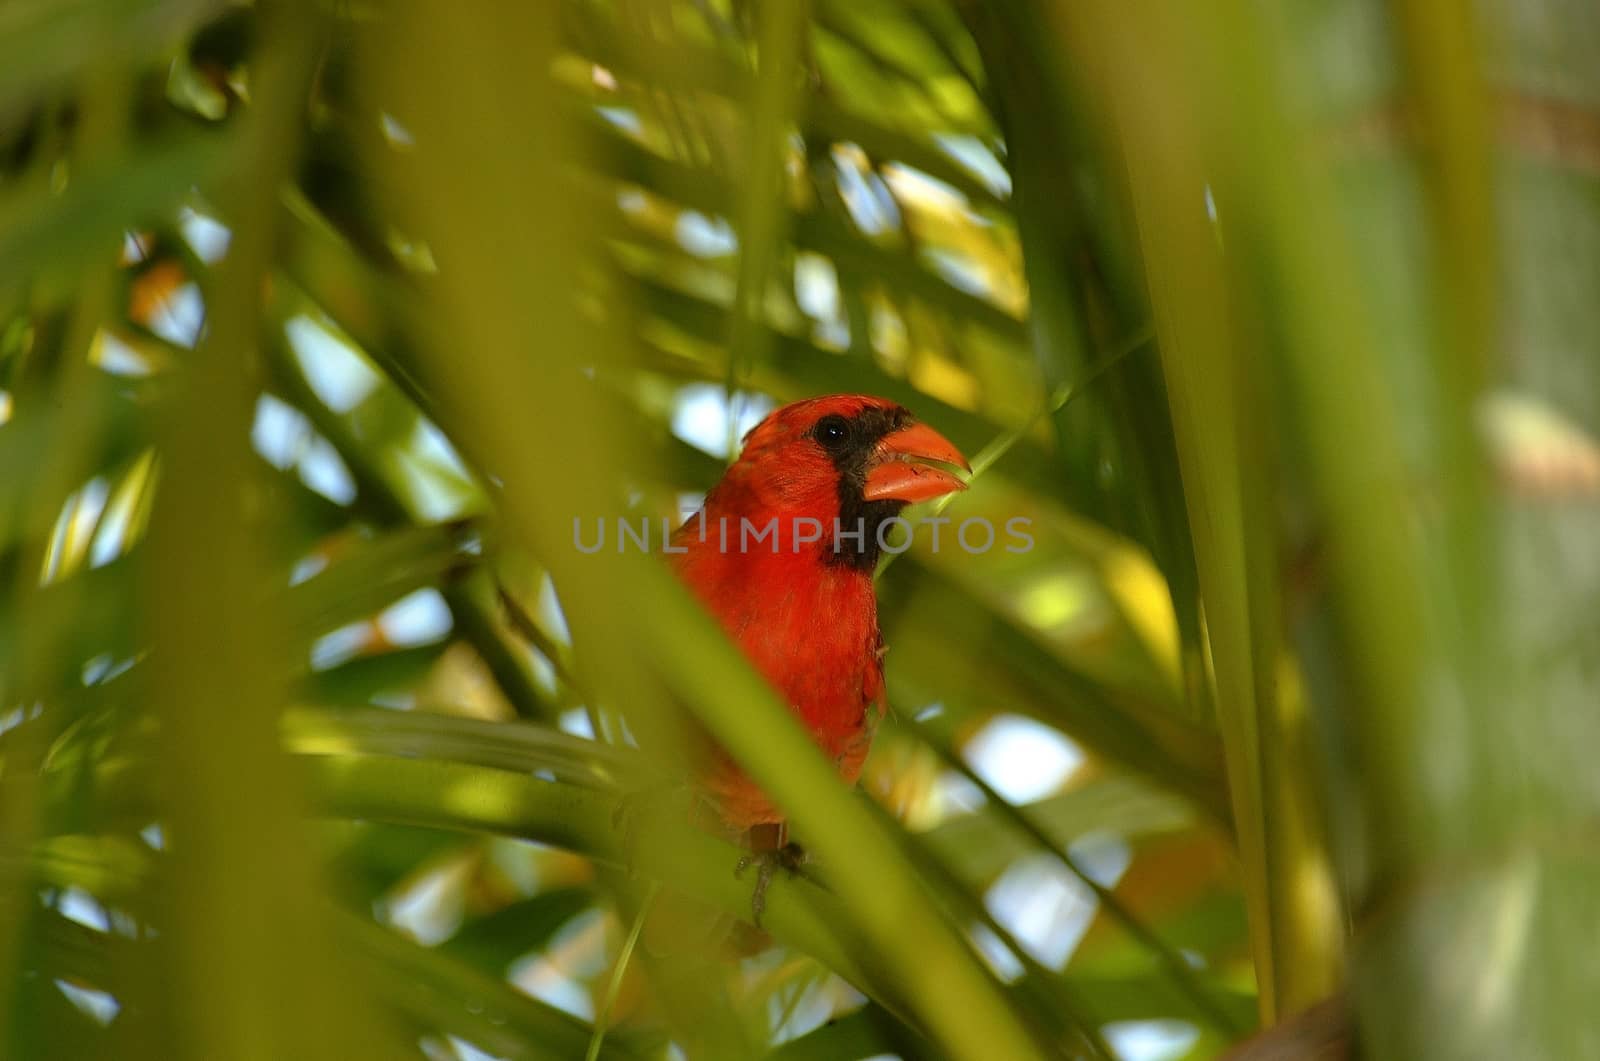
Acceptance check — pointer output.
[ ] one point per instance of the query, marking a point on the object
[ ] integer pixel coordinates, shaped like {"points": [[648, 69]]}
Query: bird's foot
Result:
{"points": [[791, 857]]}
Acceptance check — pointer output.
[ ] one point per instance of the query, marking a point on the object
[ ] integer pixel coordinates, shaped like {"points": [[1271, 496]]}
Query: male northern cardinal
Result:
{"points": [[824, 475]]}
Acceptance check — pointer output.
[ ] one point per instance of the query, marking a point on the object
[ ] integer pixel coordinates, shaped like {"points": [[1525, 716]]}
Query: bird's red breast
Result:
{"points": [[782, 553]]}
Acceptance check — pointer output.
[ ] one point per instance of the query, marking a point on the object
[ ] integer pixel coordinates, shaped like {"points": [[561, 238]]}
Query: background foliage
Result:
{"points": [[321, 321]]}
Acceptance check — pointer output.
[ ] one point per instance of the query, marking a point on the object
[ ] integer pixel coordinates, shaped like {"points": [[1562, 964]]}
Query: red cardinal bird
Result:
{"points": [[825, 474]]}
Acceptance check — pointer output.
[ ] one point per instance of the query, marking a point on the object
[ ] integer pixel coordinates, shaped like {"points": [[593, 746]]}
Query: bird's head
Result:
{"points": [[854, 448], [845, 456]]}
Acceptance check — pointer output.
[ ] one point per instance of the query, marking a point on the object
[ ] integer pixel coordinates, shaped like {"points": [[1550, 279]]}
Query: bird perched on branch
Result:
{"points": [[782, 553]]}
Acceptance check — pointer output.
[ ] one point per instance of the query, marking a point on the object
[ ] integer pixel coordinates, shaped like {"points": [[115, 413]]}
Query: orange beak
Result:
{"points": [[900, 470]]}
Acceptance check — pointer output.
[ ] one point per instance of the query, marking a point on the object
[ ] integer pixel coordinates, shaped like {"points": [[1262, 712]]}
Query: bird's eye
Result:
{"points": [[833, 431]]}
